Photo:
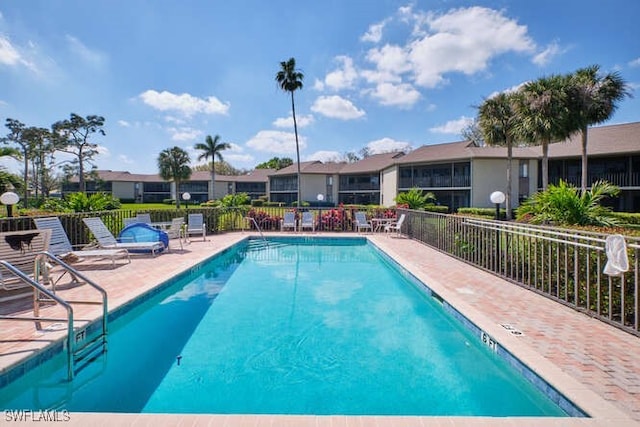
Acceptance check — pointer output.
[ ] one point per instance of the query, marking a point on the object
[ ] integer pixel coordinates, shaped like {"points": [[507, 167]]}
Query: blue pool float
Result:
{"points": [[140, 232]]}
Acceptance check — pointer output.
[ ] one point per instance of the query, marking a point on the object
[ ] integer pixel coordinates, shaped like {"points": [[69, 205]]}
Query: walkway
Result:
{"points": [[594, 364]]}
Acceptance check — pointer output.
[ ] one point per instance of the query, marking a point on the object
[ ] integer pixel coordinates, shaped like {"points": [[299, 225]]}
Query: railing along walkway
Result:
{"points": [[565, 265]]}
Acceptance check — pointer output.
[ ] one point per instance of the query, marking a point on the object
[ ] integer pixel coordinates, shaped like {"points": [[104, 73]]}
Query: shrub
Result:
{"points": [[415, 198], [80, 202], [169, 201], [257, 203], [564, 204]]}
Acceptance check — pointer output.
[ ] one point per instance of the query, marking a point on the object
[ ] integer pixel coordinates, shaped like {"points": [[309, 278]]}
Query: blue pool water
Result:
{"points": [[324, 328]]}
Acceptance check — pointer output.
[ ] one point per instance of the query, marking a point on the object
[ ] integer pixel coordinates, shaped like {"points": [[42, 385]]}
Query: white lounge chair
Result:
{"points": [[21, 249], [361, 222], [196, 226], [144, 218], [288, 221], [129, 221], [307, 222], [61, 247], [395, 226], [176, 230], [106, 240]]}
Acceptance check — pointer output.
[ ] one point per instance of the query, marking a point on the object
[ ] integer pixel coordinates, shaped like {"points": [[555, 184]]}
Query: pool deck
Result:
{"points": [[595, 365]]}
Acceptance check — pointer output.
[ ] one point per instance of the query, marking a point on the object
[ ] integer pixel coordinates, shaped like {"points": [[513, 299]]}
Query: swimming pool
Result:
{"points": [[326, 326]]}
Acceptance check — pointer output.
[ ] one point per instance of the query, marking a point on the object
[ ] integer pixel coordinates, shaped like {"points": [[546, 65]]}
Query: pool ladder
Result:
{"points": [[265, 242], [82, 346]]}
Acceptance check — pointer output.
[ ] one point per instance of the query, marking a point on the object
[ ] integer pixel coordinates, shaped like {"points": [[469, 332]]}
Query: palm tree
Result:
{"points": [[543, 116], [289, 79], [497, 122], [173, 164], [593, 98], [212, 147]]}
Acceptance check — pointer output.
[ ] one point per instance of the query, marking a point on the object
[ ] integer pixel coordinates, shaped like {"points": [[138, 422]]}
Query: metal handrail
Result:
{"points": [[257, 227], [105, 311], [39, 288]]}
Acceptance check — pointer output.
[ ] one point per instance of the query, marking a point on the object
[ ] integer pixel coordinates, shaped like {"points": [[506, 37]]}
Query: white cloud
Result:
{"points": [[453, 126], [390, 61], [125, 159], [550, 52], [465, 40], [90, 56], [344, 76], [374, 33], [635, 63], [325, 156], [184, 133], [402, 95], [11, 56], [277, 142], [8, 54], [336, 107], [387, 145], [287, 122], [124, 123], [184, 103]]}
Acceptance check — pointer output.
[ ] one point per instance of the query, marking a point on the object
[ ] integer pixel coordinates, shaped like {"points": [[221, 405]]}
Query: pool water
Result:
{"points": [[323, 328]]}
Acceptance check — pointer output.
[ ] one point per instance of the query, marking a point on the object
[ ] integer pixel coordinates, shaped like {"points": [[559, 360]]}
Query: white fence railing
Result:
{"points": [[565, 265]]}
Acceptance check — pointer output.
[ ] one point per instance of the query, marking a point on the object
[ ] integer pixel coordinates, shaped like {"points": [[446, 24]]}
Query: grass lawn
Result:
{"points": [[147, 206]]}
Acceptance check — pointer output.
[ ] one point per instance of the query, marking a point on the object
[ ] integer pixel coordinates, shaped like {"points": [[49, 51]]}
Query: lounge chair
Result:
{"points": [[395, 226], [144, 218], [129, 221], [196, 226], [307, 222], [21, 249], [106, 240], [176, 230], [61, 247], [289, 221], [361, 222]]}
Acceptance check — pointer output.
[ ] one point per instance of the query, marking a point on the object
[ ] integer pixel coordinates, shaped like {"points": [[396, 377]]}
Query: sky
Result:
{"points": [[380, 74]]}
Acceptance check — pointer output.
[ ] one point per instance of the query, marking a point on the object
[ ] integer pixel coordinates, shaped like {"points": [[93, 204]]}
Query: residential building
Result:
{"points": [[365, 182], [318, 181]]}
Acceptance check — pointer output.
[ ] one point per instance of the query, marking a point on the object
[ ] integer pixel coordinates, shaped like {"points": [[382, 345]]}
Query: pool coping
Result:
{"points": [[598, 408]]}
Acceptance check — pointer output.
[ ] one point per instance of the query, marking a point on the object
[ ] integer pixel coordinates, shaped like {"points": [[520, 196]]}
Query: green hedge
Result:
{"points": [[627, 218], [484, 212], [437, 209]]}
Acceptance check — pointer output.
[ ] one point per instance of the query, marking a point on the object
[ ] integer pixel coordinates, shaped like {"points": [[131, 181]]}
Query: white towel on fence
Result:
{"points": [[617, 260]]}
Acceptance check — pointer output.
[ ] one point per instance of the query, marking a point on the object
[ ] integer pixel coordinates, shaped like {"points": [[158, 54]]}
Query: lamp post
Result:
{"points": [[497, 197], [9, 198], [186, 197]]}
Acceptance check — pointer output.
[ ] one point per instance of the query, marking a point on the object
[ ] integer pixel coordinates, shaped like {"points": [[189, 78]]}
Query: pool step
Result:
{"points": [[89, 351]]}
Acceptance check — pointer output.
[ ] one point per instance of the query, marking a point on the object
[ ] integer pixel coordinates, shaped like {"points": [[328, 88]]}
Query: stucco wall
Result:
{"points": [[123, 190], [389, 186], [489, 175]]}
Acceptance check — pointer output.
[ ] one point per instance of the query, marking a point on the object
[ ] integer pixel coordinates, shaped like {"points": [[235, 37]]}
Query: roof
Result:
{"points": [[257, 175], [312, 167], [374, 163], [602, 140], [461, 150]]}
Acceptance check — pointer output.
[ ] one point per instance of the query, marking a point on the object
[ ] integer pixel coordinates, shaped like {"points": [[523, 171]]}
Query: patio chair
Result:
{"points": [[61, 247], [288, 221], [21, 249], [196, 226], [176, 230], [307, 222], [361, 222], [395, 226], [144, 218], [106, 240], [129, 221]]}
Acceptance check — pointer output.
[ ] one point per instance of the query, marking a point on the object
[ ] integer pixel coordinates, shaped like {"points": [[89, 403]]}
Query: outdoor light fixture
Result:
{"points": [[186, 197], [497, 197], [9, 199]]}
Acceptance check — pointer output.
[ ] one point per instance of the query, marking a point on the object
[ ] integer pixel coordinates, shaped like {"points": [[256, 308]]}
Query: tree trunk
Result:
{"points": [[26, 180], [213, 177], [545, 165], [508, 195], [177, 193], [583, 180], [295, 130], [82, 186]]}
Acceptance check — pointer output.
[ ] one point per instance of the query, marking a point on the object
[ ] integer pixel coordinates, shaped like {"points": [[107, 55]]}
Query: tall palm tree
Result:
{"points": [[543, 116], [497, 122], [593, 99], [212, 147], [289, 79], [173, 164]]}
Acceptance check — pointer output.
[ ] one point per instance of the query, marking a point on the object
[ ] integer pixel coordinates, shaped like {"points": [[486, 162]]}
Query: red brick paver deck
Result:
{"points": [[597, 366]]}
